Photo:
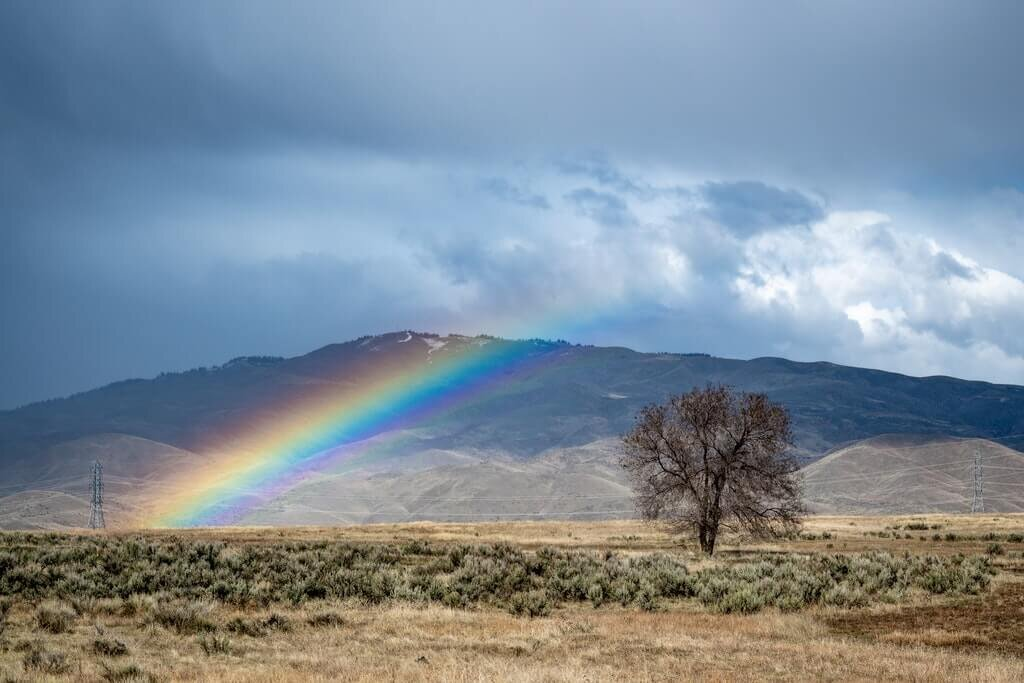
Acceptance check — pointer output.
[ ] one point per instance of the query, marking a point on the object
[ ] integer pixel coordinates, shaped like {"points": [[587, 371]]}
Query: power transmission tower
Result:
{"points": [[978, 504], [96, 520]]}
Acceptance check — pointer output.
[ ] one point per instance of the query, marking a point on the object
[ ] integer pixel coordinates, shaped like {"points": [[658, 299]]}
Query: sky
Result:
{"points": [[183, 183]]}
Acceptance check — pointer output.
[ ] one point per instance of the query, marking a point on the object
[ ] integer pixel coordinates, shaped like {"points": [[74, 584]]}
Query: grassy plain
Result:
{"points": [[919, 635]]}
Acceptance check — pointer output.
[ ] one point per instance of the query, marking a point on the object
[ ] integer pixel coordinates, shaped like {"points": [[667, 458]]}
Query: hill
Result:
{"points": [[54, 492], [892, 474], [582, 483], [545, 424]]}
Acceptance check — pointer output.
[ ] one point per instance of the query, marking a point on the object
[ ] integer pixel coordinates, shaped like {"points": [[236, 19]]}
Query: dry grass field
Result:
{"points": [[63, 626]]}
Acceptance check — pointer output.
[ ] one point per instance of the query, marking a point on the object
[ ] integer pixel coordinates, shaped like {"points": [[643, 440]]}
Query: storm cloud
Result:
{"points": [[750, 206], [180, 184]]}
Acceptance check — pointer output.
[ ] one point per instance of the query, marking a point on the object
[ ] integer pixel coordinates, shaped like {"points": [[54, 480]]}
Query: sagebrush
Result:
{"points": [[178, 581]]}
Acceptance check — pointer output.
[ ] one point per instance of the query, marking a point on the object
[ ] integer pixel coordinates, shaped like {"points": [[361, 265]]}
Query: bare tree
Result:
{"points": [[713, 459]]}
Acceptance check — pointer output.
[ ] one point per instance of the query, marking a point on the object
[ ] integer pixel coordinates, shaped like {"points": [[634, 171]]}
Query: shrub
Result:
{"points": [[137, 604], [175, 582], [109, 647], [454, 600], [790, 602], [323, 619], [530, 604], [1015, 538], [90, 605], [55, 617], [246, 627], [647, 598], [46, 662], [968, 576], [844, 595], [215, 645], [189, 617], [277, 622], [743, 599], [130, 672], [846, 581], [595, 594], [5, 607], [257, 628], [995, 549]]}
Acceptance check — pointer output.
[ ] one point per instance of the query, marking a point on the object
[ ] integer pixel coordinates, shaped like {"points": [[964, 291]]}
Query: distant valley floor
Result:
{"points": [[889, 474]]}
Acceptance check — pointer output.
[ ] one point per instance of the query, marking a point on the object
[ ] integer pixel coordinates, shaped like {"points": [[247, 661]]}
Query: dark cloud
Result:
{"points": [[746, 207], [602, 207], [183, 183], [859, 91], [73, 327], [605, 173], [503, 189], [513, 279]]}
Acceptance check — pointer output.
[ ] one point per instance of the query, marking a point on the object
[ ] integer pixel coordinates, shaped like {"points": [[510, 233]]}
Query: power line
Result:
{"points": [[27, 485], [989, 468], [1000, 479]]}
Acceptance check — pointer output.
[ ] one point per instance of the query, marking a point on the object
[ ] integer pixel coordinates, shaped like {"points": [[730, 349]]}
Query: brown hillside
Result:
{"points": [[901, 473]]}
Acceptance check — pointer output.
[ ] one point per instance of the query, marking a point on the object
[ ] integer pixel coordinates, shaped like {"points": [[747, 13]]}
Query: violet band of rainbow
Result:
{"points": [[325, 426]]}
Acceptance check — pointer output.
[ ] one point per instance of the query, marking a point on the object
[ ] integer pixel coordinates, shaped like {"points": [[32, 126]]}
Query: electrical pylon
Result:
{"points": [[96, 520]]}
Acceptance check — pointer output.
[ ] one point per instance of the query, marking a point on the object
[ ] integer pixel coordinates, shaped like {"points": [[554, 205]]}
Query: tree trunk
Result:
{"points": [[707, 536]]}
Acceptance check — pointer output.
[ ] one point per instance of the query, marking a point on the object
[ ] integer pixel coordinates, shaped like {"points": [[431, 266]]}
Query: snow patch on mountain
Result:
{"points": [[434, 344]]}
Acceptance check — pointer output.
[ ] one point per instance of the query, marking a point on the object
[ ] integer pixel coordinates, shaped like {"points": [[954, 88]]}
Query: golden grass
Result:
{"points": [[637, 535], [576, 643], [407, 643]]}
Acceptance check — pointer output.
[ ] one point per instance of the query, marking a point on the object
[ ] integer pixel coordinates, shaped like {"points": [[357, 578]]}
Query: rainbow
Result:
{"points": [[282, 447]]}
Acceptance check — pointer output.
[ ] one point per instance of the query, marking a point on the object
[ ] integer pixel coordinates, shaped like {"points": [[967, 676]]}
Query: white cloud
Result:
{"points": [[878, 326], [855, 287], [919, 307]]}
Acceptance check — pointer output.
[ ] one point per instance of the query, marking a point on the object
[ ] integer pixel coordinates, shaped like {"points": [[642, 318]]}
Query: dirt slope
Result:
{"points": [[904, 474]]}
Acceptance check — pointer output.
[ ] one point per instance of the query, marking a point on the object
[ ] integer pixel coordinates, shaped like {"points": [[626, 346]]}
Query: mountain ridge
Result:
{"points": [[764, 373], [265, 360], [568, 396]]}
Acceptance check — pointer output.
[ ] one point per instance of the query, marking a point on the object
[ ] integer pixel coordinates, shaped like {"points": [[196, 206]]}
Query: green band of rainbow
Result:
{"points": [[320, 426]]}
